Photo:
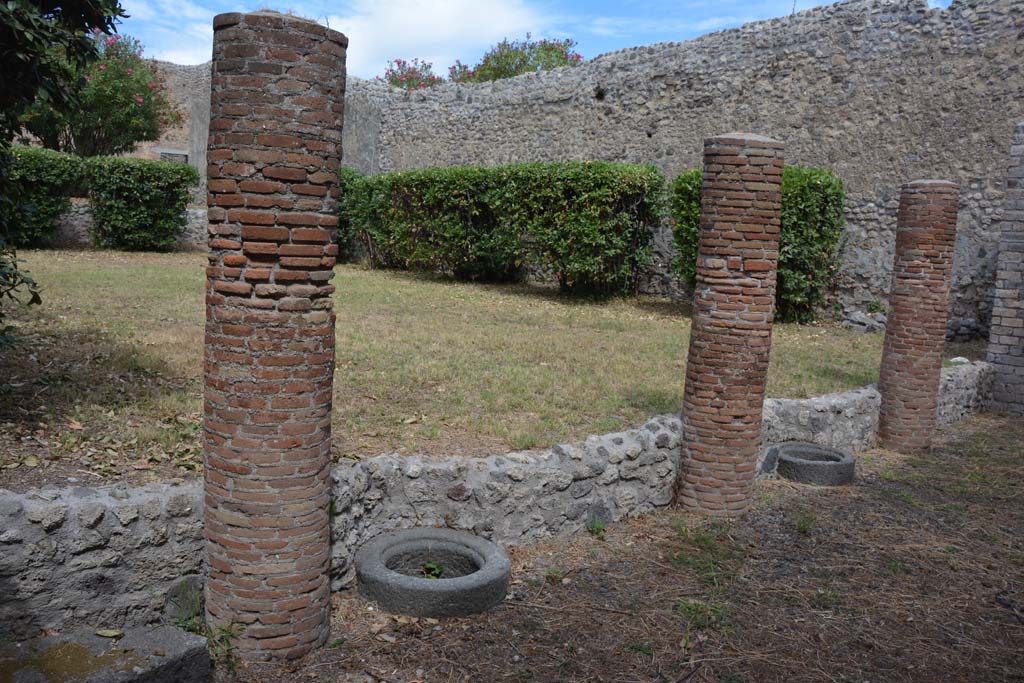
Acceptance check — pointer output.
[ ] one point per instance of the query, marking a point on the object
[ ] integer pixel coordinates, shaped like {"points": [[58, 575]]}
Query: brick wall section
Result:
{"points": [[275, 134], [915, 334], [1006, 339], [732, 323]]}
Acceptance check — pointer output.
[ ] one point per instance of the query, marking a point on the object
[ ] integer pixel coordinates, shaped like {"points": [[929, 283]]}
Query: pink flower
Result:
{"points": [[138, 99], [129, 72], [88, 78], [152, 84], [103, 67]]}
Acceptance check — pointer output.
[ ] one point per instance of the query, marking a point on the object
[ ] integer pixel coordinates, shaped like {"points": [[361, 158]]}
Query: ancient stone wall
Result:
{"points": [[116, 555], [879, 91]]}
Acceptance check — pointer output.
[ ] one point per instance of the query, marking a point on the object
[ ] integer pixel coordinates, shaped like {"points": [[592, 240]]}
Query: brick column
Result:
{"points": [[1006, 337], [915, 334], [274, 149], [734, 301]]}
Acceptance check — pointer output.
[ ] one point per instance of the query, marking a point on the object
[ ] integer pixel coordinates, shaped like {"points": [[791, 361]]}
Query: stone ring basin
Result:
{"points": [[809, 463], [428, 572]]}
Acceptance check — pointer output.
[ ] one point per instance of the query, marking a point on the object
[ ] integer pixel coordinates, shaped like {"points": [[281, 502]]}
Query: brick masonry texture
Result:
{"points": [[114, 555], [878, 91], [111, 555], [274, 149], [1006, 338], [915, 335], [734, 303]]}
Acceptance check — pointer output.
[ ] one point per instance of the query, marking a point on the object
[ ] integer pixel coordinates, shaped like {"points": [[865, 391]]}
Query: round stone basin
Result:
{"points": [[430, 572]]}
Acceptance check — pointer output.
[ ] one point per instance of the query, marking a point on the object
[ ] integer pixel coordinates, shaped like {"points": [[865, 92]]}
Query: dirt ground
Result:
{"points": [[915, 573]]}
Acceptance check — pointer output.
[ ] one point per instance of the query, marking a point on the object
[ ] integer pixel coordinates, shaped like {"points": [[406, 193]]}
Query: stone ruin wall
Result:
{"points": [[879, 91], [120, 554]]}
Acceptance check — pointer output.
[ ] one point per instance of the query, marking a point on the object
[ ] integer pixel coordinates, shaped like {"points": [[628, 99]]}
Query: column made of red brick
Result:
{"points": [[1006, 335], [734, 303], [274, 149], [915, 334]]}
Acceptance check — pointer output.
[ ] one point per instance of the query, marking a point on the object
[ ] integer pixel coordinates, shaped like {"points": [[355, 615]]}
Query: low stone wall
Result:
{"points": [[110, 555], [511, 499], [74, 227], [848, 421], [104, 556]]}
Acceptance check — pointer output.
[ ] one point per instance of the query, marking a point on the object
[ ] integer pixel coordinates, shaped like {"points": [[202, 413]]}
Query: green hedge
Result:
{"points": [[812, 223], [43, 181], [138, 204], [350, 181], [588, 223]]}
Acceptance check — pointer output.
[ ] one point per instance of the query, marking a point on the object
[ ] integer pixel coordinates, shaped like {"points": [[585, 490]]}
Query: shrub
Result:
{"points": [[414, 74], [812, 222], [589, 223], [119, 102], [511, 58], [138, 204], [43, 43], [350, 181], [439, 219], [43, 180], [15, 284], [684, 207]]}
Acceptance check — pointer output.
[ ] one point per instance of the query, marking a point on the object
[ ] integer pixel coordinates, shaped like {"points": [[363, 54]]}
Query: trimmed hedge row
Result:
{"points": [[812, 225], [44, 180], [137, 204], [588, 223]]}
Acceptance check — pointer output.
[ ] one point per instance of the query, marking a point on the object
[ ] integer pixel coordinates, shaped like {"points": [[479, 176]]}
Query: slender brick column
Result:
{"points": [[915, 334], [1006, 337], [727, 366], [274, 149]]}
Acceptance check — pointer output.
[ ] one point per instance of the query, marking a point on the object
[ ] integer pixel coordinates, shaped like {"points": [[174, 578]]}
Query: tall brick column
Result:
{"points": [[274, 150], [1006, 337], [740, 203], [915, 334]]}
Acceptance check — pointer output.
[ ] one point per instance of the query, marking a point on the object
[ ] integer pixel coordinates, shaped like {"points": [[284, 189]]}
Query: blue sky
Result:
{"points": [[442, 31]]}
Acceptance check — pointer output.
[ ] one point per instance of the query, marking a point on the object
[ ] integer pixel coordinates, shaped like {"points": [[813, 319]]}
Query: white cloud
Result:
{"points": [[178, 31], [628, 27], [192, 54], [440, 31]]}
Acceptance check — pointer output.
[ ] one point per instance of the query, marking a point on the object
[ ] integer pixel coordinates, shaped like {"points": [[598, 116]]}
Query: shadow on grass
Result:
{"points": [[551, 293], [652, 401], [53, 369]]}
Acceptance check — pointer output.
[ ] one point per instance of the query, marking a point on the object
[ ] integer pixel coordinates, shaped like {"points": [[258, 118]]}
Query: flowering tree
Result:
{"points": [[30, 33], [410, 75], [512, 58], [119, 103], [504, 60]]}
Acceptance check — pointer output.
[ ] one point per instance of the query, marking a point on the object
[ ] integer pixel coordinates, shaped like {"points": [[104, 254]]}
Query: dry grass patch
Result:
{"points": [[424, 365], [909, 578]]}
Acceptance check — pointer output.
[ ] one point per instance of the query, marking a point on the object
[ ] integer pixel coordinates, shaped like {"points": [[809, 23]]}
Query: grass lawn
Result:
{"points": [[109, 374]]}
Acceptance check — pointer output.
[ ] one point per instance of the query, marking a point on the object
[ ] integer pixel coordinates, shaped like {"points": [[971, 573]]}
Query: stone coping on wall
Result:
{"points": [[110, 555]]}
